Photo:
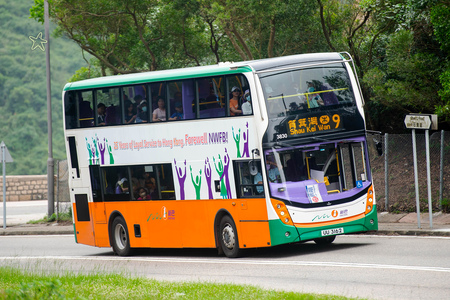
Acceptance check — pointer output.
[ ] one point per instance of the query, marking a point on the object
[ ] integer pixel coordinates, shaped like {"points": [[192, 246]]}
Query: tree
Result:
{"points": [[392, 42], [259, 29], [440, 18], [405, 76], [132, 36]]}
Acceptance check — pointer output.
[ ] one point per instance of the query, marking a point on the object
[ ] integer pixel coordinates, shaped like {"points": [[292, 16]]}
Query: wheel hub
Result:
{"points": [[228, 237], [121, 236]]}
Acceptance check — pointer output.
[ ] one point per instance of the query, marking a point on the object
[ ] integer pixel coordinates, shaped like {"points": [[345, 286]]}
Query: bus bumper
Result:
{"points": [[281, 233], [367, 223]]}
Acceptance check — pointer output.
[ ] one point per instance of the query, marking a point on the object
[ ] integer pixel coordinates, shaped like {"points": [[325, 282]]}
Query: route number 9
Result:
{"points": [[336, 119]]}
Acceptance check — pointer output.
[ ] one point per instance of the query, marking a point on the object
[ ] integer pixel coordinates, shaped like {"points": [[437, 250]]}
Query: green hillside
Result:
{"points": [[23, 94]]}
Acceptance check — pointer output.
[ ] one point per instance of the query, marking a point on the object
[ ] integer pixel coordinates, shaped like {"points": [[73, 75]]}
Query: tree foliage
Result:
{"points": [[400, 47]]}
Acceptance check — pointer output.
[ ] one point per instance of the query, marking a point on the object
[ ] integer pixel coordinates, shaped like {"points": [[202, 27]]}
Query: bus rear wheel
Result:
{"points": [[325, 240], [228, 237], [120, 238]]}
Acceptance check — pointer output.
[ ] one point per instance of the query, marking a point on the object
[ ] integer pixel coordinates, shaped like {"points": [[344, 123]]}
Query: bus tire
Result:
{"points": [[120, 237], [228, 237], [325, 240]]}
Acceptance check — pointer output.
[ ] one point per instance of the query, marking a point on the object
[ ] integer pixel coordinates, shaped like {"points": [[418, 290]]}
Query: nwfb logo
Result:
{"points": [[96, 148]]}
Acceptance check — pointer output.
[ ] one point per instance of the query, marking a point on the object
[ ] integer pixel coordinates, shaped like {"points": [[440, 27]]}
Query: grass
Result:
{"points": [[64, 217], [15, 284]]}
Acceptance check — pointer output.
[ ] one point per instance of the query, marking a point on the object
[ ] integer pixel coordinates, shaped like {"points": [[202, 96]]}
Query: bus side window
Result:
{"points": [[86, 109], [152, 182], [70, 110], [248, 185], [157, 90], [237, 86], [132, 97], [110, 98], [211, 97], [164, 182], [116, 183]]}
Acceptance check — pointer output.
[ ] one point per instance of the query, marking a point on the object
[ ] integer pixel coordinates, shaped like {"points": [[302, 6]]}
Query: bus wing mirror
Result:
{"points": [[252, 168]]}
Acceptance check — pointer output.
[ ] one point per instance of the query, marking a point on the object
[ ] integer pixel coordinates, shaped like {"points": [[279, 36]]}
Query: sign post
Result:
{"points": [[5, 157], [419, 121], [416, 178]]}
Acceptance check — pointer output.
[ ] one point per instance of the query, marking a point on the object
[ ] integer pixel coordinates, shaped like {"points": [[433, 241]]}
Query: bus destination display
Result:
{"points": [[321, 123]]}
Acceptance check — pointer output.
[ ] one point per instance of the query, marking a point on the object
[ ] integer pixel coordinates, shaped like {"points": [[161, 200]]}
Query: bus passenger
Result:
{"points": [[142, 192], [247, 106], [234, 102], [142, 116], [150, 184], [101, 108], [122, 186], [130, 112], [138, 99], [159, 114], [293, 107], [178, 114], [314, 99]]}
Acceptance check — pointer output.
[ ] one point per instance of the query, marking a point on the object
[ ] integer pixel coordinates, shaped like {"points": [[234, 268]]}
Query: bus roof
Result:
{"points": [[298, 60], [204, 71]]}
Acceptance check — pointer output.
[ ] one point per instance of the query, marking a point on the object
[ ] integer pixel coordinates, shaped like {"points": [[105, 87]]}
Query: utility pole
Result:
{"points": [[50, 165]]}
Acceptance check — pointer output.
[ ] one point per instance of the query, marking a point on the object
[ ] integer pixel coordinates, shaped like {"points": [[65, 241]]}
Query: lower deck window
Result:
{"points": [[124, 183]]}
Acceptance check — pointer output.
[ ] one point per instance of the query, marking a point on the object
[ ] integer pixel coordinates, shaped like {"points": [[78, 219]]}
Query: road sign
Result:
{"points": [[418, 121], [7, 156]]}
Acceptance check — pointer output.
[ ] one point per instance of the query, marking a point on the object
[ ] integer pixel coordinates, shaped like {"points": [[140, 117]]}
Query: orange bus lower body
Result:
{"points": [[175, 223]]}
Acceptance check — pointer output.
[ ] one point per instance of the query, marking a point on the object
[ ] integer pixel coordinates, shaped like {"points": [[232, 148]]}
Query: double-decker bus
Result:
{"points": [[231, 156]]}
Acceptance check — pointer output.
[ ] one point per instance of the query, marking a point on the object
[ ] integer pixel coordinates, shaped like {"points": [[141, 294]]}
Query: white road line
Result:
{"points": [[36, 236], [339, 237], [232, 261], [396, 236]]}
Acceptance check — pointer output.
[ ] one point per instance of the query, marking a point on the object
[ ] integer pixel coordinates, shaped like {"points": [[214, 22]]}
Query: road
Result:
{"points": [[375, 267], [20, 212]]}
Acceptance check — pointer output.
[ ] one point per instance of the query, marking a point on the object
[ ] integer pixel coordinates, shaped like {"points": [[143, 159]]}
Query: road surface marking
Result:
{"points": [[232, 261]]}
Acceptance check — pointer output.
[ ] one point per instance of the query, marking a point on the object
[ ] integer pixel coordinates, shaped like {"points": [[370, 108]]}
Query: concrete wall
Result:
{"points": [[24, 187]]}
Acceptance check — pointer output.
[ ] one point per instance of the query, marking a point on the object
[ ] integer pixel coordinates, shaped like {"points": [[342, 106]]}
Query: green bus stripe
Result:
{"points": [[156, 76]]}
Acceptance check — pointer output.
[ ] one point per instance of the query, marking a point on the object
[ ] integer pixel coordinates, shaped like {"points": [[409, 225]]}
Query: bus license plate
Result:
{"points": [[332, 231]]}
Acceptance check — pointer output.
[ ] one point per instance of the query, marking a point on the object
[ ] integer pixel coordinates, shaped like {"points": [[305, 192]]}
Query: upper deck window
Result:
{"points": [[303, 104], [109, 99], [317, 88], [196, 98]]}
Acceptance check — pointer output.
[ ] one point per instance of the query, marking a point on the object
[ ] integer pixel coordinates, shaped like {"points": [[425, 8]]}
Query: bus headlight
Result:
{"points": [[282, 212], [370, 200]]}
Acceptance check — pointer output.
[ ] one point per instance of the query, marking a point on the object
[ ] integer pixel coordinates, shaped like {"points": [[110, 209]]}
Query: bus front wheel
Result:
{"points": [[228, 237], [325, 240], [120, 237]]}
